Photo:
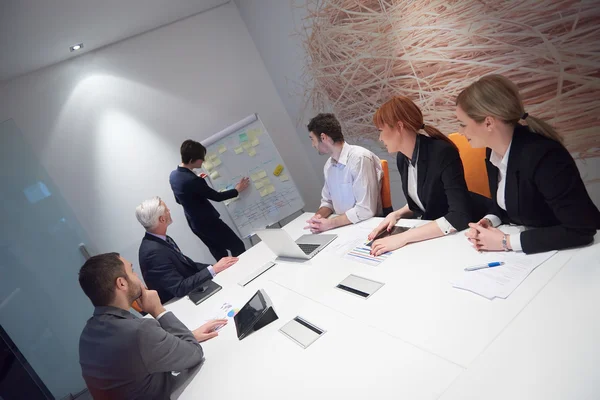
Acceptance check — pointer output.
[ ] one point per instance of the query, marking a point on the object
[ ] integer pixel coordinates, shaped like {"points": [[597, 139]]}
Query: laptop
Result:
{"points": [[282, 244]]}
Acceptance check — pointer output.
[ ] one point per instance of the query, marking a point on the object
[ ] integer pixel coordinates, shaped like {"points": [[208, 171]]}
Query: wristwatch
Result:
{"points": [[505, 242]]}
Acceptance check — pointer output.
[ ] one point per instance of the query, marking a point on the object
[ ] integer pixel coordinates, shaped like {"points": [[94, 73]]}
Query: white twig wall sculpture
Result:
{"points": [[361, 52]]}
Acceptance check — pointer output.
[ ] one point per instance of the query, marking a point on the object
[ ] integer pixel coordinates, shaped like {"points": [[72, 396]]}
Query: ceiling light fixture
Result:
{"points": [[76, 47]]}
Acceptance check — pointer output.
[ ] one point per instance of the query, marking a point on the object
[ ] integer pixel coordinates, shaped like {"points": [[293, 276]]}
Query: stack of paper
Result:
{"points": [[503, 280], [362, 254]]}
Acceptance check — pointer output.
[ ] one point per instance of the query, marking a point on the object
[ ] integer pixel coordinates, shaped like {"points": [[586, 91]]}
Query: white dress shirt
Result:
{"points": [[502, 164], [442, 222], [353, 184], [163, 237]]}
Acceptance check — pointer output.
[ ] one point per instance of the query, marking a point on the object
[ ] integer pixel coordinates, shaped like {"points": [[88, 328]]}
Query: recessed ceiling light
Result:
{"points": [[76, 47]]}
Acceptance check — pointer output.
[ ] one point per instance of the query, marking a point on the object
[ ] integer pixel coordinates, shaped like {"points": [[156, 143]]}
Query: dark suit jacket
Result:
{"points": [[167, 270], [441, 182], [125, 357], [544, 190], [193, 193]]}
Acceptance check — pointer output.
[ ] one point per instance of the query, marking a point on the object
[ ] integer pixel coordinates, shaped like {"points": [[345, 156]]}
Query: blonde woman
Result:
{"points": [[533, 179]]}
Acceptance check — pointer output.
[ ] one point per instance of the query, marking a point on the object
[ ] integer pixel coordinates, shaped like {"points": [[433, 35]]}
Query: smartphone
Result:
{"points": [[395, 230]]}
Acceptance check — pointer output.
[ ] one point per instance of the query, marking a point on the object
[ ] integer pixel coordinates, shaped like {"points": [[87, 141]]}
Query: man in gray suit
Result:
{"points": [[125, 357]]}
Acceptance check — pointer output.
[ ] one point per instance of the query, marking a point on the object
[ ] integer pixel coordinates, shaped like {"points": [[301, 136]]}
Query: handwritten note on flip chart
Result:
{"points": [[238, 150], [254, 177], [251, 152], [243, 137], [262, 174], [270, 189], [216, 162], [255, 142], [222, 149], [263, 192], [207, 166], [259, 185], [283, 178]]}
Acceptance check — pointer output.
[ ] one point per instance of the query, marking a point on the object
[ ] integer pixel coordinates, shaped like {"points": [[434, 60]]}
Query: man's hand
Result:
{"points": [[208, 330], [243, 184], [318, 224], [224, 263], [150, 302], [389, 243]]}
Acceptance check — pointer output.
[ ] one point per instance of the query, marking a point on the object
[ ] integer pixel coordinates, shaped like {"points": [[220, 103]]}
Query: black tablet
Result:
{"points": [[255, 314], [203, 292], [396, 230]]}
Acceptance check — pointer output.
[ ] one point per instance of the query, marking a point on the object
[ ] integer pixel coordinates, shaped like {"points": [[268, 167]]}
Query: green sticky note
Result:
{"points": [[243, 137]]}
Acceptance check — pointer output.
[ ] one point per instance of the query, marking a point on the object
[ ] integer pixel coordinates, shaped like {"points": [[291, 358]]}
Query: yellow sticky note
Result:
{"points": [[214, 175], [222, 149], [284, 178], [254, 177], [270, 189], [262, 174], [238, 150], [207, 165], [216, 162], [254, 142], [246, 145], [258, 185], [263, 192], [266, 182], [251, 152], [278, 170]]}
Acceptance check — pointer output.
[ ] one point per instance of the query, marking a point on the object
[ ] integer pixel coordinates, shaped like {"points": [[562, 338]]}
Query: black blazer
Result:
{"points": [[544, 190], [441, 182], [193, 193], [168, 271]]}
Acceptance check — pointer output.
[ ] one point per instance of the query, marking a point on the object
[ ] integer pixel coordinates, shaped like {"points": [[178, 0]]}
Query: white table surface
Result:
{"points": [[417, 315], [350, 360], [551, 351]]}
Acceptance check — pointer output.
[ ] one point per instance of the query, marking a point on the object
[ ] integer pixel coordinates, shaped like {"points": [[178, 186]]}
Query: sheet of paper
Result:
{"points": [[222, 149], [500, 281], [243, 137], [262, 174], [239, 150], [255, 142], [284, 178], [215, 175], [227, 311], [270, 189], [362, 254], [251, 152], [216, 162]]}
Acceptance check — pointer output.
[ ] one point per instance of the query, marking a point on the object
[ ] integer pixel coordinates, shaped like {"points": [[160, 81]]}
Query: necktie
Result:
{"points": [[172, 243]]}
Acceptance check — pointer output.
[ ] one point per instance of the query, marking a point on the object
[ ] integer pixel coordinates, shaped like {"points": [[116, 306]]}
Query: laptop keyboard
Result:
{"points": [[308, 248]]}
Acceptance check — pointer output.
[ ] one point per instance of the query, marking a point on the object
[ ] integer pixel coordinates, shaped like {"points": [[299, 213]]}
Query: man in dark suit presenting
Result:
{"points": [[164, 267], [193, 193], [126, 357]]}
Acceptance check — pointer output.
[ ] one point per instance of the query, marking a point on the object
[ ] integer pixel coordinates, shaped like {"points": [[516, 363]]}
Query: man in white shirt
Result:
{"points": [[353, 177]]}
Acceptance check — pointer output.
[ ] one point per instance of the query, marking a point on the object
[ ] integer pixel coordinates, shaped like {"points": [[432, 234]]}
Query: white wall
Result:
{"points": [[274, 27], [273, 24], [107, 125]]}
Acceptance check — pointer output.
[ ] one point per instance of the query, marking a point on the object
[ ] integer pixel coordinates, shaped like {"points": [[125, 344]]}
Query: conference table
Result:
{"points": [[417, 337]]}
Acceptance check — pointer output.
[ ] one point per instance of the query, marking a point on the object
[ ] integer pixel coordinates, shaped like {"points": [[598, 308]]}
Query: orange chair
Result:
{"points": [[474, 165], [386, 193]]}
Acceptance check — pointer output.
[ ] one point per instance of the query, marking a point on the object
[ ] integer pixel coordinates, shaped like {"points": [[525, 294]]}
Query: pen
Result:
{"points": [[482, 266]]}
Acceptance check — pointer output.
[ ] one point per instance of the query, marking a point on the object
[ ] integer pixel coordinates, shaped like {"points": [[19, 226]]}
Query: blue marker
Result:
{"points": [[482, 266]]}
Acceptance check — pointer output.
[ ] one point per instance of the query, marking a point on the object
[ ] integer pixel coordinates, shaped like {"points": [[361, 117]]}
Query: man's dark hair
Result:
{"points": [[192, 151], [327, 124], [98, 275]]}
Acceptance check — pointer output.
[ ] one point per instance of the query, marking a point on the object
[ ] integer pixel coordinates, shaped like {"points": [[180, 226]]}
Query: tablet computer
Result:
{"points": [[204, 291], [395, 230], [255, 314]]}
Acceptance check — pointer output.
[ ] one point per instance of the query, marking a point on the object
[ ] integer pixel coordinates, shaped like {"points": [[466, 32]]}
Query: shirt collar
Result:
{"points": [[163, 237], [117, 312], [343, 155], [500, 162], [415, 156]]}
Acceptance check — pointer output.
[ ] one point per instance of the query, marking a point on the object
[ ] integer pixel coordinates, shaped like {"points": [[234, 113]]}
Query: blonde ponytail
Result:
{"points": [[497, 96]]}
